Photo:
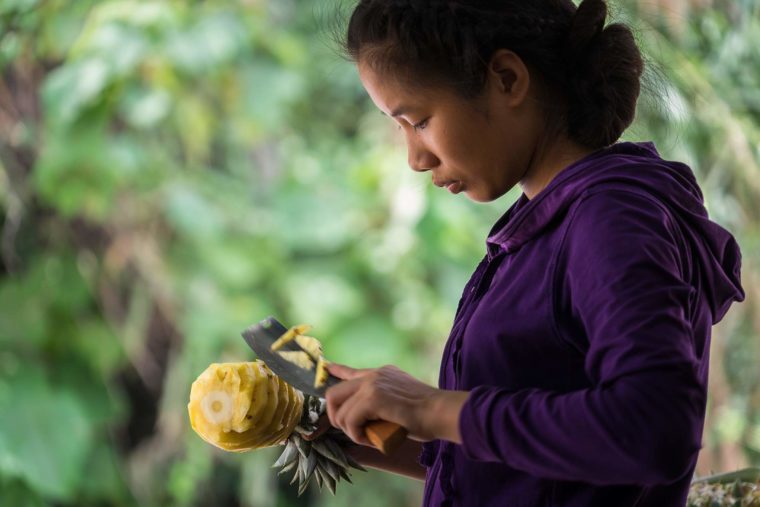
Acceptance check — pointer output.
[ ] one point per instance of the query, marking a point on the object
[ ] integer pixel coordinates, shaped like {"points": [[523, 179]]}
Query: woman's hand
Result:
{"points": [[390, 394]]}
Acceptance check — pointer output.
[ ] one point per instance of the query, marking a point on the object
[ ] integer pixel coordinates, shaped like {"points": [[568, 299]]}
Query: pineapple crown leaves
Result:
{"points": [[323, 458]]}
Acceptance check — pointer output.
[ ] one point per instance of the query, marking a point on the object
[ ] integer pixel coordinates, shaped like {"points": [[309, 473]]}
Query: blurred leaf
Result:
{"points": [[79, 172], [46, 435], [71, 88], [268, 89], [105, 478], [213, 40], [17, 5], [189, 471], [320, 297], [145, 108], [191, 213], [369, 342], [20, 320], [18, 494]]}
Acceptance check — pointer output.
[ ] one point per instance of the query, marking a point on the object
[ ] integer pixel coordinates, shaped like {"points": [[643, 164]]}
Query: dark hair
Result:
{"points": [[594, 70]]}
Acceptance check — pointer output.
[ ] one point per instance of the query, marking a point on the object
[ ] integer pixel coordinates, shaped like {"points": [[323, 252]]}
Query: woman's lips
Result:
{"points": [[454, 187]]}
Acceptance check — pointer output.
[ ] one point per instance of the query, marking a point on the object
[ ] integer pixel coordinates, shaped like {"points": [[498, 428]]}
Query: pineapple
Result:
{"points": [[244, 406]]}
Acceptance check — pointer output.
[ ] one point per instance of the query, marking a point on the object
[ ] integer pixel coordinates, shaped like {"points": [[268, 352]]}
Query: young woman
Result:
{"points": [[576, 369]]}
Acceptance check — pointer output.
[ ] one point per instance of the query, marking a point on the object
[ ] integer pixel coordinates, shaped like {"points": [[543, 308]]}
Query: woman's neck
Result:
{"points": [[546, 163]]}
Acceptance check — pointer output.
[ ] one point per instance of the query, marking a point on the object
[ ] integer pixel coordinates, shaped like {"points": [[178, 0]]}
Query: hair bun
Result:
{"points": [[587, 23], [604, 68]]}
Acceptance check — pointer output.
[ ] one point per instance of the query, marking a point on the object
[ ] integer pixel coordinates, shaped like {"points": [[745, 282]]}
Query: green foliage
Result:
{"points": [[174, 171], [46, 435]]}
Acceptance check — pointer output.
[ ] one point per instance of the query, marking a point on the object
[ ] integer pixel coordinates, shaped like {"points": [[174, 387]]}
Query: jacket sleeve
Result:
{"points": [[641, 420]]}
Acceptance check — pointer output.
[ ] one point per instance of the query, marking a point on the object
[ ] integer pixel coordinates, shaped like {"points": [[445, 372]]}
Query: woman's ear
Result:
{"points": [[509, 75]]}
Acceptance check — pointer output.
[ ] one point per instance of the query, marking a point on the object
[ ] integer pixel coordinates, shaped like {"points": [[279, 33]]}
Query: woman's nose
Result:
{"points": [[420, 158]]}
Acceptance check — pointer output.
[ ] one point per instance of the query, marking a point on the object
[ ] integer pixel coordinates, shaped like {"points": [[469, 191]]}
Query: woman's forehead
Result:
{"points": [[386, 91], [395, 97]]}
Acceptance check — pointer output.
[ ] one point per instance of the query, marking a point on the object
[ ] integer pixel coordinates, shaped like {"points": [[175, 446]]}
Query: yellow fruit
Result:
{"points": [[243, 406], [299, 358], [289, 335], [308, 344], [322, 374], [311, 345]]}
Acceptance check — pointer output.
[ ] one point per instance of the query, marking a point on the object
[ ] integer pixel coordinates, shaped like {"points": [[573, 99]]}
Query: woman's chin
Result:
{"points": [[475, 195], [483, 197]]}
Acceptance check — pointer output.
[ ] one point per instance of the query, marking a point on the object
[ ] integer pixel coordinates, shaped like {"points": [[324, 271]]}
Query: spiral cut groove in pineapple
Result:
{"points": [[243, 406]]}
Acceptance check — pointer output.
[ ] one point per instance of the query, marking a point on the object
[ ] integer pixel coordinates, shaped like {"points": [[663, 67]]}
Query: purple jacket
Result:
{"points": [[583, 337]]}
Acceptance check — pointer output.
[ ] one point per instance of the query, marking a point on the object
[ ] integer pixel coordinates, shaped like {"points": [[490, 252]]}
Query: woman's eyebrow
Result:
{"points": [[400, 110]]}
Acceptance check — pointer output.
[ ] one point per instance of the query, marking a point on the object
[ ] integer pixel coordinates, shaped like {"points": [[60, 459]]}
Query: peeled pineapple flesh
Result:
{"points": [[243, 406]]}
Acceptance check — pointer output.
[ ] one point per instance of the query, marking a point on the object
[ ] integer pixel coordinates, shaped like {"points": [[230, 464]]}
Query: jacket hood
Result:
{"points": [[636, 166]]}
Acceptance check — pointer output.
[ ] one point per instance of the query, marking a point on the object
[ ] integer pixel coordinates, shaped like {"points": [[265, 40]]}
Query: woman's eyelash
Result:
{"points": [[421, 125], [417, 126]]}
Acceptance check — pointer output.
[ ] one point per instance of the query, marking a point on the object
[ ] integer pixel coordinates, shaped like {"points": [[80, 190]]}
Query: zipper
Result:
{"points": [[465, 309], [462, 307], [475, 295], [474, 280]]}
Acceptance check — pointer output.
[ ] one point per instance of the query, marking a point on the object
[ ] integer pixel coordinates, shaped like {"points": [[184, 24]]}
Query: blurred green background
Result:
{"points": [[171, 172]]}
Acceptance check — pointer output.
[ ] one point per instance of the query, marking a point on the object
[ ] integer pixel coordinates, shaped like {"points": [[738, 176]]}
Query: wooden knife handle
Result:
{"points": [[384, 435]]}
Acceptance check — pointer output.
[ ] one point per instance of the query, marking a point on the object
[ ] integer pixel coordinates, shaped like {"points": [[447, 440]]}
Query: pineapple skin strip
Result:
{"points": [[290, 335], [310, 345], [299, 358], [321, 376], [311, 352]]}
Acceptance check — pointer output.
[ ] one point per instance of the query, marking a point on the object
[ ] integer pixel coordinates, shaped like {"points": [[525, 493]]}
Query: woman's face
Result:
{"points": [[482, 147]]}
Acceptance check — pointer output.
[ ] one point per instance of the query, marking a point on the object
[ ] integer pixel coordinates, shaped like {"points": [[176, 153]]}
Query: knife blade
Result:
{"points": [[384, 435], [260, 338]]}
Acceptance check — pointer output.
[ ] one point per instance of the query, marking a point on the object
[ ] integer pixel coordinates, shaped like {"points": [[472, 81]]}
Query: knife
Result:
{"points": [[385, 436]]}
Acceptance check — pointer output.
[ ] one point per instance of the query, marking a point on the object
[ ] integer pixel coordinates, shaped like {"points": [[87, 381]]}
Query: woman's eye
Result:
{"points": [[417, 126], [421, 125]]}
